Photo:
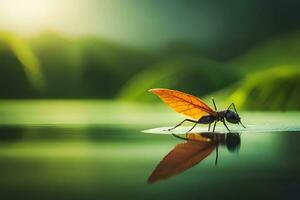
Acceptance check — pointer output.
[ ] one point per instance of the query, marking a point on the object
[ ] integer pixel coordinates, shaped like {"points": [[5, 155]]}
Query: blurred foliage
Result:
{"points": [[196, 75], [25, 56], [53, 66], [282, 50], [265, 78], [87, 67], [275, 88]]}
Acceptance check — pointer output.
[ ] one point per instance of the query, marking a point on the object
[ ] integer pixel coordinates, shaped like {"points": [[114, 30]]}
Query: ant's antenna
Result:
{"points": [[229, 106], [242, 124], [232, 104], [214, 103], [234, 108], [237, 113]]}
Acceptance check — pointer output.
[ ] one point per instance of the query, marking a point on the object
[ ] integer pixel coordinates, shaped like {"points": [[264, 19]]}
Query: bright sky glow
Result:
{"points": [[149, 22], [28, 16], [116, 20]]}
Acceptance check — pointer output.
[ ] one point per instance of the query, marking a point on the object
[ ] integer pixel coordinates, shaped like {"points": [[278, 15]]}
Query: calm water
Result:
{"points": [[112, 163], [96, 150]]}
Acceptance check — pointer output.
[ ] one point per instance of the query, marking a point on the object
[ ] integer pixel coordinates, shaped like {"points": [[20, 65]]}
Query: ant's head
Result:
{"points": [[233, 116]]}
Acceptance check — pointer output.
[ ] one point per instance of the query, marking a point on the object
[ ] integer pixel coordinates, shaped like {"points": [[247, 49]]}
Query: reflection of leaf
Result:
{"points": [[197, 137], [181, 158], [183, 103]]}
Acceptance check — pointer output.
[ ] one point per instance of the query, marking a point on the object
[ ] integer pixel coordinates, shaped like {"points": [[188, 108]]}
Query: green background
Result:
{"points": [[74, 81]]}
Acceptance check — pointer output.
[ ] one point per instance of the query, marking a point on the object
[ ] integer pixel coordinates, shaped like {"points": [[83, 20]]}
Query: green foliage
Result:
{"points": [[80, 68], [89, 67], [273, 89], [276, 88], [191, 74], [29, 62], [279, 51]]}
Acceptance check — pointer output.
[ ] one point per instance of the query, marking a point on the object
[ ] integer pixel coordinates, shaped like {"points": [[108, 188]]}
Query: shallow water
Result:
{"points": [[111, 161], [103, 163]]}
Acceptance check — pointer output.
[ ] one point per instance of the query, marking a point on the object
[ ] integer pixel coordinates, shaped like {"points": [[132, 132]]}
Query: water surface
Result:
{"points": [[41, 160]]}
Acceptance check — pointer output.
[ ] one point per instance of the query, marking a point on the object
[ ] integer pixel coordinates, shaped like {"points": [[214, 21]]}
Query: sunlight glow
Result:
{"points": [[26, 16]]}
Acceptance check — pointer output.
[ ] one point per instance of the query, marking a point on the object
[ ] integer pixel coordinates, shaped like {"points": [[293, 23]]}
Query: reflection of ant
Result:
{"points": [[189, 153]]}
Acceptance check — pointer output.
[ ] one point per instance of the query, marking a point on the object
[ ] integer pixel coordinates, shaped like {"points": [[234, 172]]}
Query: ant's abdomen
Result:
{"points": [[206, 119]]}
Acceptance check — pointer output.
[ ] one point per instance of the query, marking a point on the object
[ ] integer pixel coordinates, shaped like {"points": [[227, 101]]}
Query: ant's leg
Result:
{"points": [[189, 120], [179, 136], [208, 127], [192, 127], [217, 153], [225, 125], [214, 126]]}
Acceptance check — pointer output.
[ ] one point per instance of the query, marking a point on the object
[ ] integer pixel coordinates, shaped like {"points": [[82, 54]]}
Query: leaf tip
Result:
{"points": [[154, 90]]}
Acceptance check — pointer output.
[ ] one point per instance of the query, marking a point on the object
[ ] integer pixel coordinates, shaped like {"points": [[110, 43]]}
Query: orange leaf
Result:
{"points": [[183, 103]]}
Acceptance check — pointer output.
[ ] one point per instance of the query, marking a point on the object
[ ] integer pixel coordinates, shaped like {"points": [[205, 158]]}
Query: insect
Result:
{"points": [[196, 148], [195, 108]]}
